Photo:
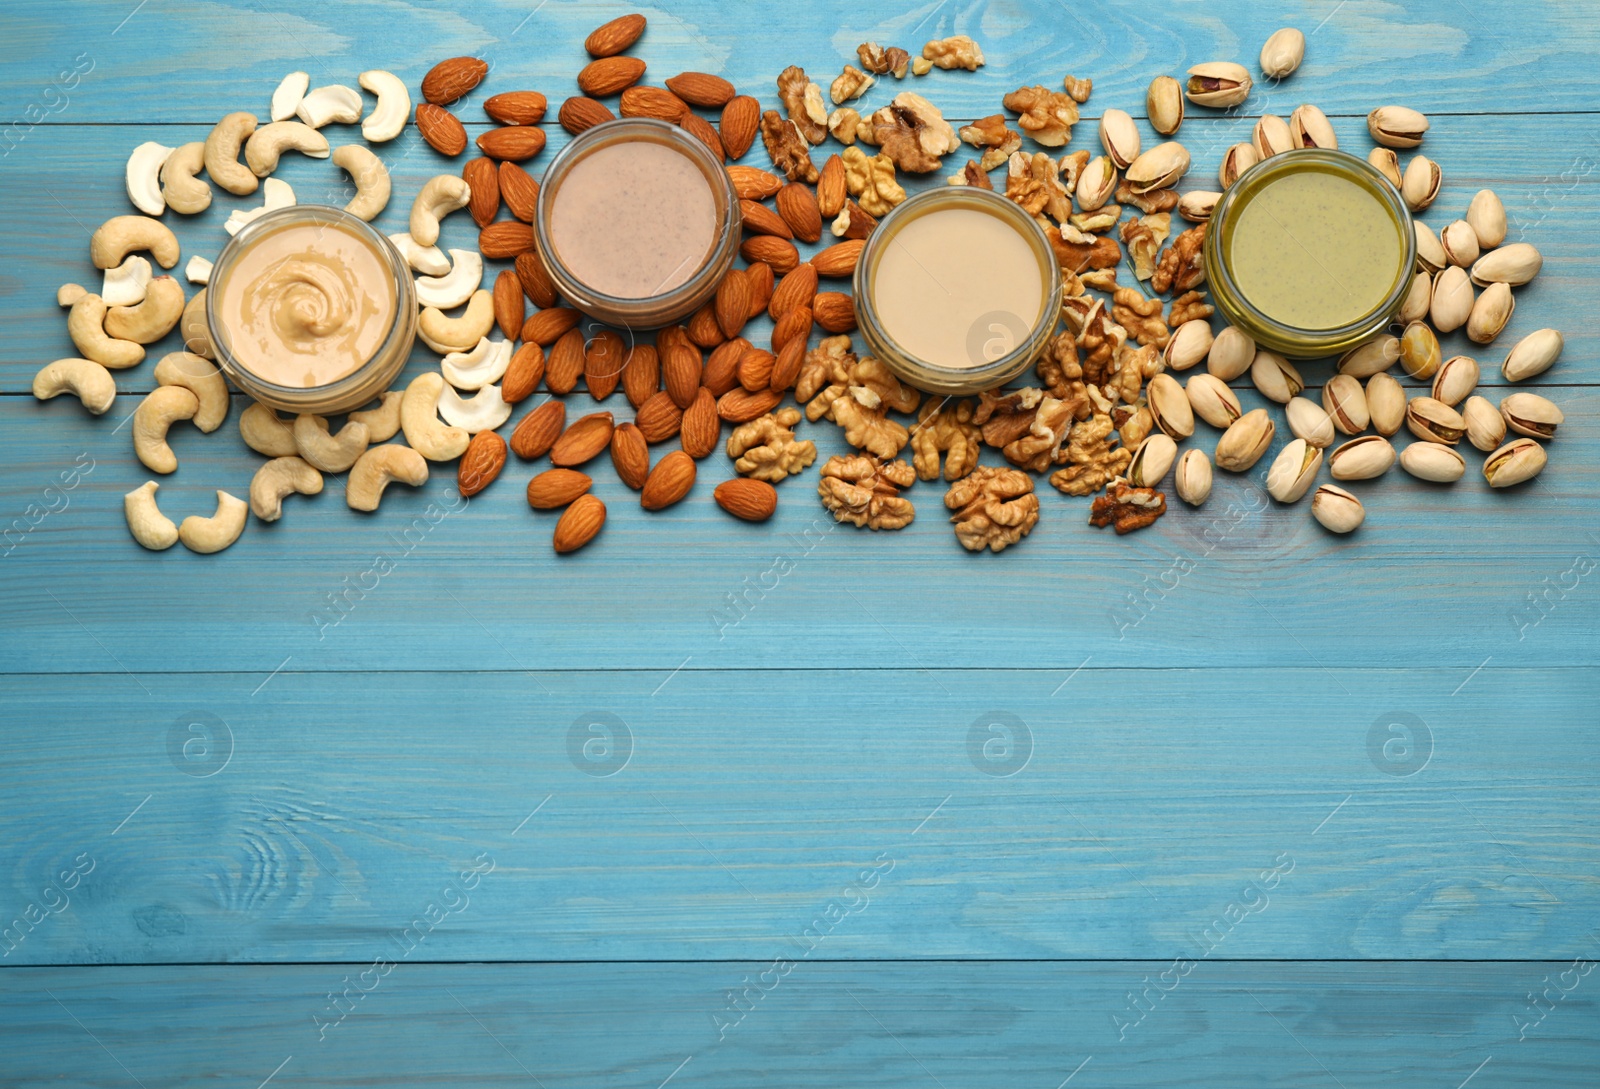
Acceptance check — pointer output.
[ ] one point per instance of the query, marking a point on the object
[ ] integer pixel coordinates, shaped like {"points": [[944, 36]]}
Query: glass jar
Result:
{"points": [[634, 186], [964, 302], [376, 339], [1366, 200]]}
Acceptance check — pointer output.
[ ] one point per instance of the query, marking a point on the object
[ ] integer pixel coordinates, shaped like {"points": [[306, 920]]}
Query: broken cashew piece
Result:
{"points": [[330, 453], [220, 530], [279, 479], [222, 154], [161, 408], [332, 104], [200, 377], [440, 195], [455, 287], [388, 117], [86, 325], [428, 260], [286, 99], [269, 143], [371, 178], [445, 335], [419, 418], [68, 294], [83, 378], [149, 526], [478, 368], [152, 319], [485, 411], [180, 188], [126, 284], [375, 469], [121, 235], [383, 422], [198, 270], [274, 195], [194, 330], [266, 433], [143, 177]]}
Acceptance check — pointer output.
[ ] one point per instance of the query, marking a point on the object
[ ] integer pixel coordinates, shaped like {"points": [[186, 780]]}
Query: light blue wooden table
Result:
{"points": [[1227, 802]]}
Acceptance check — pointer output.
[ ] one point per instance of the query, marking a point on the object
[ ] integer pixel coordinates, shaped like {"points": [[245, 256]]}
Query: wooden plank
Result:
{"points": [[816, 1024], [711, 815]]}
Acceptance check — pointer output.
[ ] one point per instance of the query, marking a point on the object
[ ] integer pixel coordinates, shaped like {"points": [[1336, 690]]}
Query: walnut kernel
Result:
{"points": [[993, 508], [1182, 267], [1092, 459], [1046, 115], [866, 492], [871, 181], [1127, 508], [1141, 316], [875, 58], [765, 448], [849, 84], [913, 133], [794, 90], [787, 147], [957, 52], [1078, 88]]}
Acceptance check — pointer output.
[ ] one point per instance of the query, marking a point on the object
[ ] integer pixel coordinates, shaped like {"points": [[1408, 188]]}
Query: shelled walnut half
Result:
{"points": [[993, 508], [865, 491], [766, 448], [945, 428]]}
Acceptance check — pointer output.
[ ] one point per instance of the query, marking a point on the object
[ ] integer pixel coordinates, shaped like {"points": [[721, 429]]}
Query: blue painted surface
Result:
{"points": [[1289, 809]]}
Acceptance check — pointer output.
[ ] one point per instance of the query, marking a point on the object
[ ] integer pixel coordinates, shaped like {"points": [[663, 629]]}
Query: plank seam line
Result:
{"points": [[907, 961]]}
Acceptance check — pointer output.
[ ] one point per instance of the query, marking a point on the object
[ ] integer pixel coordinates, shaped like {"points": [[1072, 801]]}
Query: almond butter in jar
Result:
{"points": [[637, 223]]}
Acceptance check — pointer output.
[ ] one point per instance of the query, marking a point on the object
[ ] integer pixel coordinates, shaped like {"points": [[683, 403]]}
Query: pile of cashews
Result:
{"points": [[136, 307]]}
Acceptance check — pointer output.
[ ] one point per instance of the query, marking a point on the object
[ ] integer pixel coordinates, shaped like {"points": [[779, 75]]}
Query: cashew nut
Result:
{"points": [[286, 99], [333, 103], [160, 409], [220, 530], [201, 378], [383, 422], [485, 411], [68, 294], [330, 453], [87, 380], [475, 369], [222, 154], [198, 270], [122, 235], [419, 417], [377, 467], [143, 177], [445, 335], [429, 260], [194, 329], [277, 479], [276, 194], [152, 319], [182, 190], [86, 326], [371, 178], [389, 116], [440, 195], [455, 287], [271, 141], [148, 525], [126, 284], [263, 432]]}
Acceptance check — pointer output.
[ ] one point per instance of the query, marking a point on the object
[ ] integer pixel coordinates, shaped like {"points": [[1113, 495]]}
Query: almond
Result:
{"points": [[583, 440], [510, 310], [630, 456], [538, 430], [832, 187], [733, 302], [608, 75], [545, 327], [794, 325], [556, 488], [747, 498], [755, 369], [680, 367], [482, 461], [523, 375], [838, 261], [701, 432], [520, 191], [777, 252], [669, 335], [741, 122], [797, 288], [654, 102], [531, 272], [759, 273], [578, 114], [439, 127], [505, 239], [787, 368], [759, 219], [579, 524], [702, 89], [641, 374], [615, 36], [701, 130], [513, 142], [834, 311], [484, 203], [703, 328], [797, 204], [450, 79], [658, 418], [739, 406], [602, 363], [565, 365], [668, 482], [516, 107], [721, 371], [753, 183]]}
